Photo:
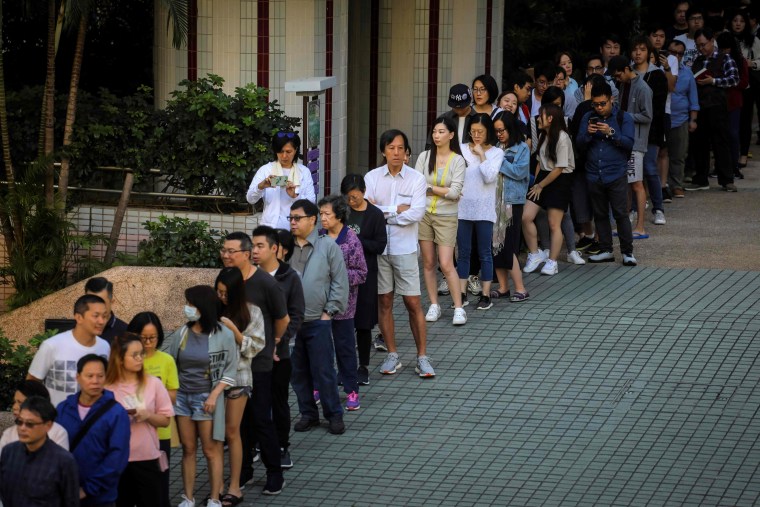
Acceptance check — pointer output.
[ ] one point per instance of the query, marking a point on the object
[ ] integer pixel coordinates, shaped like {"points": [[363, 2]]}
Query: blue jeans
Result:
{"points": [[344, 340], [652, 177], [484, 233], [312, 358]]}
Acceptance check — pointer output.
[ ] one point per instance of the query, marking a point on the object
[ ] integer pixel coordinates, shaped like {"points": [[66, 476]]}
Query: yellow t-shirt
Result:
{"points": [[162, 365]]}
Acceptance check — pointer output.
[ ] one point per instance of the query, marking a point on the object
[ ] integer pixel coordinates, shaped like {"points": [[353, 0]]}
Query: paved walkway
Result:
{"points": [[611, 386]]}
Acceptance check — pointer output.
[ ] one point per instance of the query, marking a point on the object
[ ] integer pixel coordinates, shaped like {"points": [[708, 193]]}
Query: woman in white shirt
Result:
{"points": [[282, 182], [24, 390], [477, 206], [551, 190]]}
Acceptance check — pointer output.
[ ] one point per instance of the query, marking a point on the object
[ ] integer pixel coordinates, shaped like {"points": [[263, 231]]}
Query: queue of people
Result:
{"points": [[554, 158]]}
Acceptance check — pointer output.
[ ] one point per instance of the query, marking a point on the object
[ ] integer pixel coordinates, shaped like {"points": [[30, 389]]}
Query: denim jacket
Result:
{"points": [[516, 171]]}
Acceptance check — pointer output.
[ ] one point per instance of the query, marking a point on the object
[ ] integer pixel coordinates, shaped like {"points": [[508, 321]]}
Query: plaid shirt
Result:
{"points": [[729, 76]]}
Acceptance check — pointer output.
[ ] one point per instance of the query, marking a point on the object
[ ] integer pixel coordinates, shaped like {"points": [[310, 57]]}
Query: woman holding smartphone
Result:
{"points": [[282, 182]]}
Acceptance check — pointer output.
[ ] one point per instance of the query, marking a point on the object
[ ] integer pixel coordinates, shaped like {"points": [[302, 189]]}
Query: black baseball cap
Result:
{"points": [[460, 96]]}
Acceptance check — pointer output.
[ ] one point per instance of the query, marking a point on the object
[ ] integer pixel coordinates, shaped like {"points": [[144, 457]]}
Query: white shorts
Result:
{"points": [[399, 274], [636, 167]]}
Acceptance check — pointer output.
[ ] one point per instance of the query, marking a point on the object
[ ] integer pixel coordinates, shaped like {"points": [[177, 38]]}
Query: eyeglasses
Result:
{"points": [[696, 18], [702, 45], [153, 338], [289, 135], [500, 131], [297, 218], [479, 90], [477, 133], [229, 251], [354, 198], [596, 69], [138, 355], [597, 105], [28, 424], [676, 53], [542, 83]]}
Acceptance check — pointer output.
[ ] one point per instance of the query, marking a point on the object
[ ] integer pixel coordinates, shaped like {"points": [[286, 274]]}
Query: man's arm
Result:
{"points": [[730, 74], [417, 207], [337, 296], [115, 461]]}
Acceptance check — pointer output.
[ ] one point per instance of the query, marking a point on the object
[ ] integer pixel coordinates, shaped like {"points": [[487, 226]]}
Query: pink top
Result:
{"points": [[143, 443]]}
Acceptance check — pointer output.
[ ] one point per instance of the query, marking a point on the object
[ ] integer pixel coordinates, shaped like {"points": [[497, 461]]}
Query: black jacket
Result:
{"points": [[290, 283]]}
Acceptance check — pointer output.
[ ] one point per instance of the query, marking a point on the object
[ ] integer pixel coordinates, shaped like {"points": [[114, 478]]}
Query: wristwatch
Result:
{"points": [[331, 313]]}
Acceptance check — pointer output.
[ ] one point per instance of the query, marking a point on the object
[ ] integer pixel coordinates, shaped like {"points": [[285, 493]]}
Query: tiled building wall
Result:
{"points": [[99, 219]]}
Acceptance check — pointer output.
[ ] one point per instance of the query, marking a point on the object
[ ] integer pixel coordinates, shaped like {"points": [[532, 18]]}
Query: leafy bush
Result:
{"points": [[210, 142], [180, 242], [14, 364]]}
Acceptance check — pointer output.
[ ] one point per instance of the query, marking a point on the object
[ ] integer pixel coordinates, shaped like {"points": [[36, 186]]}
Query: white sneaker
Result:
{"points": [[473, 285], [574, 257], [629, 260], [633, 217], [433, 314], [550, 268], [658, 218], [460, 317], [534, 261], [186, 502], [443, 288], [213, 503]]}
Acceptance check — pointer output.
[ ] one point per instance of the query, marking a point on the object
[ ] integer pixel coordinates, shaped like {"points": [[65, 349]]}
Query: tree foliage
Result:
{"points": [[180, 242], [210, 142]]}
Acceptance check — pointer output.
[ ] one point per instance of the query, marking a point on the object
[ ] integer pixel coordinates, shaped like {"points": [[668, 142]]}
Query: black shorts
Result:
{"points": [[557, 193]]}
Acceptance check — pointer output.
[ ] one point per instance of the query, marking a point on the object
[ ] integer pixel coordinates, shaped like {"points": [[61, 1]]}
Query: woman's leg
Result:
{"points": [[188, 437], [516, 275], [745, 125], [568, 231], [464, 244], [640, 203], [428, 266], [214, 454], [233, 414], [555, 227], [446, 261], [485, 254], [529, 228]]}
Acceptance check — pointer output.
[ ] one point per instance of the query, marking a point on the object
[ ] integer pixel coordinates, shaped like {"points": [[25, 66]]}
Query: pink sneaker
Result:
{"points": [[352, 401]]}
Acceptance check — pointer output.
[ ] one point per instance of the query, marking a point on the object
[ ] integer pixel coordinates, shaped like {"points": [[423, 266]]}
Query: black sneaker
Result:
{"points": [[336, 425], [484, 303], [584, 243], [464, 301], [362, 376], [305, 424], [594, 248], [275, 483], [285, 461]]}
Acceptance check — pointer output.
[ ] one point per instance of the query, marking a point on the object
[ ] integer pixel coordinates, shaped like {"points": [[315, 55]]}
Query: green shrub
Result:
{"points": [[182, 243], [14, 364]]}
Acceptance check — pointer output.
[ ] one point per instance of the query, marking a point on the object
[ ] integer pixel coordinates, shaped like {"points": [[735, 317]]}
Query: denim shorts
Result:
{"points": [[191, 405]]}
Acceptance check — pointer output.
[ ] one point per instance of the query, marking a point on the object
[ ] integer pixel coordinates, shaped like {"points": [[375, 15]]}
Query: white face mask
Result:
{"points": [[192, 313]]}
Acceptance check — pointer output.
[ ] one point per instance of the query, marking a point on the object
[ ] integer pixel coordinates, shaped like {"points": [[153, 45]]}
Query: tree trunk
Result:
{"points": [[10, 219], [118, 219], [47, 140], [71, 112]]}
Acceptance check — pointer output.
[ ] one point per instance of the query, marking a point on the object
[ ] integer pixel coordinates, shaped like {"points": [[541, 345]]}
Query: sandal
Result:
{"points": [[519, 297], [230, 499], [495, 294]]}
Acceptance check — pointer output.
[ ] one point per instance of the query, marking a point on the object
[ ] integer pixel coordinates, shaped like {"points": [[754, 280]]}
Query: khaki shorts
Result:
{"points": [[636, 167], [440, 229], [399, 274]]}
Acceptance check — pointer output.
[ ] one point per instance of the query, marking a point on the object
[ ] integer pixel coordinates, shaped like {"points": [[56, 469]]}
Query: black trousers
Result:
{"points": [[140, 484], [166, 446], [257, 426], [280, 407], [712, 129]]}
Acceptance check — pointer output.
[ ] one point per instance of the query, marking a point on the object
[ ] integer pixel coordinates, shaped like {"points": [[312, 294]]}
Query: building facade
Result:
{"points": [[394, 61]]}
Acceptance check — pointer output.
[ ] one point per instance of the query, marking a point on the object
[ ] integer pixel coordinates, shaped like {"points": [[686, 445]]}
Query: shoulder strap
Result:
{"points": [[92, 419]]}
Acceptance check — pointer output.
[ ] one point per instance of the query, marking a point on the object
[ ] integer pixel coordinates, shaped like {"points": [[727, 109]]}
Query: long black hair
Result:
{"points": [[725, 41], [447, 122], [484, 120], [746, 36], [555, 129], [204, 298], [236, 308], [511, 125]]}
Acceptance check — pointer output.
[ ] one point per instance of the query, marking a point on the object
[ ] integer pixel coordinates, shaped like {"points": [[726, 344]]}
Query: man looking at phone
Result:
{"points": [[718, 73], [282, 182], [607, 135], [399, 191]]}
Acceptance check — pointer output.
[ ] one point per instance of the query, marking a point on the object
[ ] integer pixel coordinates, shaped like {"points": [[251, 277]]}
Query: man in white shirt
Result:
{"points": [[695, 17], [399, 191], [55, 363]]}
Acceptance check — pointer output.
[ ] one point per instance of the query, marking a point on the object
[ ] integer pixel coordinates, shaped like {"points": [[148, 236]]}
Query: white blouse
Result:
{"points": [[478, 201]]}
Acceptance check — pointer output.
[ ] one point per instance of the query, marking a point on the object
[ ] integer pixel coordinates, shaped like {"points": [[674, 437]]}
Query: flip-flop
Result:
{"points": [[230, 499], [495, 294], [638, 235]]}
